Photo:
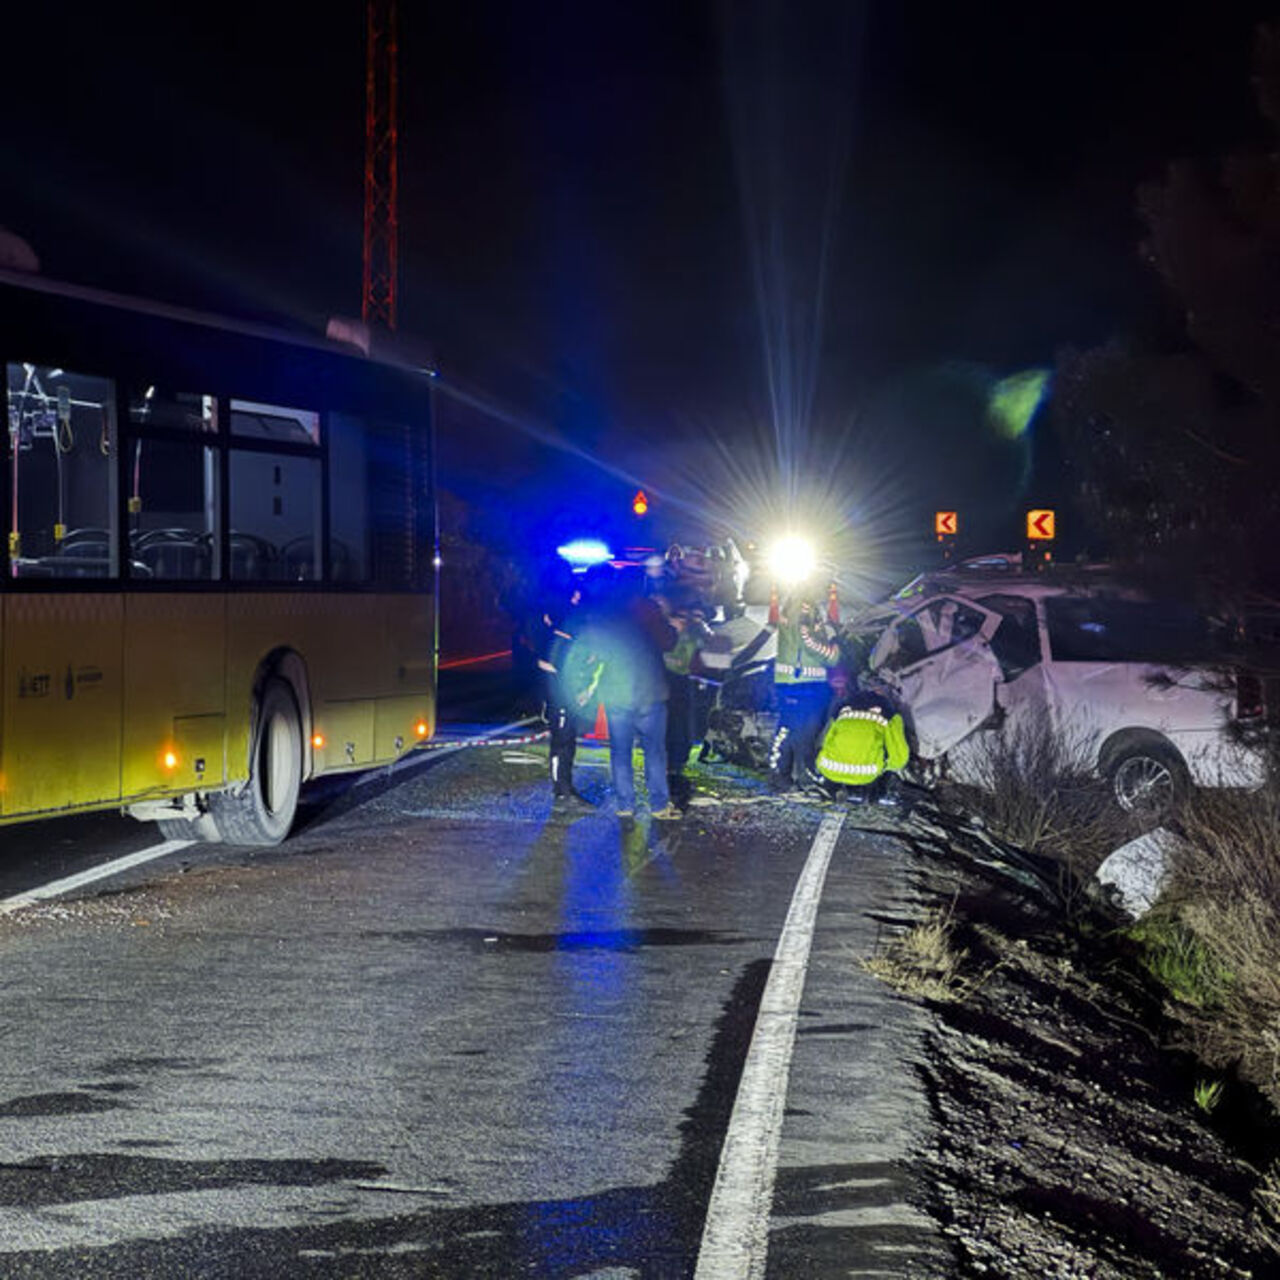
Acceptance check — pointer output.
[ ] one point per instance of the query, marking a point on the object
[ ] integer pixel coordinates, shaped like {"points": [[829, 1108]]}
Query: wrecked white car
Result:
{"points": [[1129, 684]]}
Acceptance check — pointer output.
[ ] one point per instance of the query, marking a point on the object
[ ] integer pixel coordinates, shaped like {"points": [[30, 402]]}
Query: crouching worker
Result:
{"points": [[863, 749]]}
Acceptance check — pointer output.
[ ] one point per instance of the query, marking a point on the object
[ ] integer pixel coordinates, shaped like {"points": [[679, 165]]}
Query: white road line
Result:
{"points": [[55, 888], [735, 1238]]}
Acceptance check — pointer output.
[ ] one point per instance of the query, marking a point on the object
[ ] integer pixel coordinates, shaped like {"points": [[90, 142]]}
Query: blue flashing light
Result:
{"points": [[583, 553]]}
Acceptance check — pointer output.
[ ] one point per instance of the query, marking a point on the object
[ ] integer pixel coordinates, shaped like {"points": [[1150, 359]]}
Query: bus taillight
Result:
{"points": [[317, 741], [421, 728], [169, 760]]}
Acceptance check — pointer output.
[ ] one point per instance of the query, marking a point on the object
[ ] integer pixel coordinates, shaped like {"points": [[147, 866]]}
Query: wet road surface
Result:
{"points": [[474, 700], [447, 1031]]}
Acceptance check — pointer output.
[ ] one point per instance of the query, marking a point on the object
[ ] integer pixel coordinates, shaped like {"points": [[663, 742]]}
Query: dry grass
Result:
{"points": [[1226, 892], [1037, 790], [923, 962], [1267, 1193], [1267, 1199], [1214, 940]]}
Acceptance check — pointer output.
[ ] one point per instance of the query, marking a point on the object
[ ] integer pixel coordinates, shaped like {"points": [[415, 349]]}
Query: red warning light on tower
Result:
{"points": [[640, 503]]}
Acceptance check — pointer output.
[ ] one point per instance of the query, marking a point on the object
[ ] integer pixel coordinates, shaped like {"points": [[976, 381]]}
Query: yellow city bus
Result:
{"points": [[221, 570]]}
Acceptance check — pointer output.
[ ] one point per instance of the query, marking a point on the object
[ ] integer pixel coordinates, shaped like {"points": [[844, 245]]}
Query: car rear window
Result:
{"points": [[1098, 629]]}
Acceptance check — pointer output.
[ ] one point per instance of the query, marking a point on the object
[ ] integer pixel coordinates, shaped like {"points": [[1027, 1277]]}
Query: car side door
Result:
{"points": [[937, 662], [1023, 694]]}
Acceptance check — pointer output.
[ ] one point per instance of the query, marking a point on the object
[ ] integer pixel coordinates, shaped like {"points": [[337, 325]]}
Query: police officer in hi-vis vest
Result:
{"points": [[806, 654]]}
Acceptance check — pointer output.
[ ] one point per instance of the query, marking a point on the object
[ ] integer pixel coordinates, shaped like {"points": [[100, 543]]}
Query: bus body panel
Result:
{"points": [[335, 637], [174, 673], [346, 728], [130, 667], [62, 705], [411, 635], [410, 709], [165, 653], [369, 665]]}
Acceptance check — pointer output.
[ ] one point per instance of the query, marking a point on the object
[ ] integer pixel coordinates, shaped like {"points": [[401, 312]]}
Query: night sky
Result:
{"points": [[736, 250]]}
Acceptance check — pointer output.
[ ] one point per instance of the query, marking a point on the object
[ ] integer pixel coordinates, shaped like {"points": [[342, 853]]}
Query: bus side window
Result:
{"points": [[275, 517], [172, 487], [62, 443], [377, 498], [275, 494]]}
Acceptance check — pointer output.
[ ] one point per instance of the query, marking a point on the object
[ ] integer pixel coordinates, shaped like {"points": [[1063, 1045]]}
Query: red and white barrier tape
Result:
{"points": [[486, 742]]}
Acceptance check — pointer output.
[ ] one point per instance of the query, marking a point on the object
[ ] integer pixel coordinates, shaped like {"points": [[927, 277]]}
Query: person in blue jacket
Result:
{"points": [[616, 659]]}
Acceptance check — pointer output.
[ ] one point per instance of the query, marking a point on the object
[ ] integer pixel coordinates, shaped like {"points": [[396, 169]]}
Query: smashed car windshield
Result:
{"points": [[1101, 629]]}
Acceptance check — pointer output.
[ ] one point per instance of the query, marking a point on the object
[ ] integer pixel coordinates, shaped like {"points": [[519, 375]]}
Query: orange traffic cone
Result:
{"points": [[833, 605], [601, 730], [774, 611]]}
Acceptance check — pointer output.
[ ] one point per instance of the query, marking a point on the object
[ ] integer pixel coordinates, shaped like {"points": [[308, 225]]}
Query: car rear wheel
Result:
{"points": [[1149, 780], [262, 812]]}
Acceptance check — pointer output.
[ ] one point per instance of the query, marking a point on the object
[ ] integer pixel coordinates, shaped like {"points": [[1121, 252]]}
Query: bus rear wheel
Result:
{"points": [[262, 812]]}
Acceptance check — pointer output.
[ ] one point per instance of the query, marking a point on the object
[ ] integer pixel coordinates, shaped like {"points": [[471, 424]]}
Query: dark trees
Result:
{"points": [[1175, 446]]}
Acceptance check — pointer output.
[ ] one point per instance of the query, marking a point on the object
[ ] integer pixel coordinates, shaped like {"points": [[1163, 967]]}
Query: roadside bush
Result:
{"points": [[1180, 962], [1213, 942], [1036, 789]]}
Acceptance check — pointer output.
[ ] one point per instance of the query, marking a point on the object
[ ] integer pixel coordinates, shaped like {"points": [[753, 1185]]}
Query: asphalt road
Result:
{"points": [[446, 1031], [472, 697]]}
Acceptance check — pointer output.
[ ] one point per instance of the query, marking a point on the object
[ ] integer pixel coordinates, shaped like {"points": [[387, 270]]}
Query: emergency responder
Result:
{"points": [[692, 633], [863, 749], [806, 653], [561, 710]]}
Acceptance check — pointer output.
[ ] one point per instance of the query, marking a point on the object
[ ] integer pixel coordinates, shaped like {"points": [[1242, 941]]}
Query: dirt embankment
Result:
{"points": [[1068, 1139]]}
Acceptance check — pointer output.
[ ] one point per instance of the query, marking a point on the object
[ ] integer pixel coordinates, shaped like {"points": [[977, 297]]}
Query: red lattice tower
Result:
{"points": [[381, 180]]}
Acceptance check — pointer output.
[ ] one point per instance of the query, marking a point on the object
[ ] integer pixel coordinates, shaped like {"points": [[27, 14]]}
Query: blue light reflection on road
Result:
{"points": [[595, 971]]}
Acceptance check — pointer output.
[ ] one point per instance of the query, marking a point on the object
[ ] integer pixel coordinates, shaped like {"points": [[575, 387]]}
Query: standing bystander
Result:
{"points": [[617, 658]]}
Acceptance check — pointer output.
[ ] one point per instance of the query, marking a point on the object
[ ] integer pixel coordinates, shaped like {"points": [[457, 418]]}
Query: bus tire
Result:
{"points": [[200, 829], [178, 829], [262, 811]]}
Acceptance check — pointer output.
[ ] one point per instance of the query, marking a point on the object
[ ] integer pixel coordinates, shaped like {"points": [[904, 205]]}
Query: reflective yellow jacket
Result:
{"points": [[860, 745]]}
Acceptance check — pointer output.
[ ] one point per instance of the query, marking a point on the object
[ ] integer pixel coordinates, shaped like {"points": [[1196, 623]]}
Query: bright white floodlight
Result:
{"points": [[792, 560]]}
